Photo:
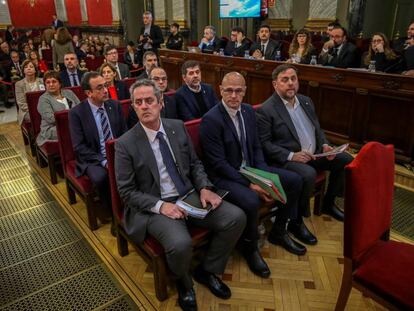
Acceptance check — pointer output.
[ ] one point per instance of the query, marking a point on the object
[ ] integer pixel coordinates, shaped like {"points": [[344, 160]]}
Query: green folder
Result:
{"points": [[266, 180]]}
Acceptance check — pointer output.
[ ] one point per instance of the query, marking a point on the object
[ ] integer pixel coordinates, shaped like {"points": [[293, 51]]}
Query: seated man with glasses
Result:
{"points": [[111, 57], [92, 123], [229, 141]]}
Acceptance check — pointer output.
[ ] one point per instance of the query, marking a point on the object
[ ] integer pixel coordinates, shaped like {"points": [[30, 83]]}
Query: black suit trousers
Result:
{"points": [[99, 178]]}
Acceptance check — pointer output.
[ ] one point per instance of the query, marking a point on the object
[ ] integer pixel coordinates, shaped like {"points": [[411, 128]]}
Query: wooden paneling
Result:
{"points": [[352, 105]]}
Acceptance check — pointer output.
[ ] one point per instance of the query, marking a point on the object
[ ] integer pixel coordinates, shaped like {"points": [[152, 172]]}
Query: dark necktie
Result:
{"points": [[106, 131], [19, 72], [243, 138], [263, 49], [74, 76], [335, 52], [171, 166]]}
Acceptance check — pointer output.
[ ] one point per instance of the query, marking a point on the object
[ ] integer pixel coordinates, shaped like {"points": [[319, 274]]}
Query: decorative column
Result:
{"points": [[4, 15], [280, 14], [356, 17], [61, 10], [160, 13], [180, 13], [116, 22], [321, 13], [84, 12]]}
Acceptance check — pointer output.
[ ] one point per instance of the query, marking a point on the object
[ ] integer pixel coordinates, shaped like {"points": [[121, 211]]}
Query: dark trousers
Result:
{"points": [[308, 171], [99, 178], [249, 201], [226, 224]]}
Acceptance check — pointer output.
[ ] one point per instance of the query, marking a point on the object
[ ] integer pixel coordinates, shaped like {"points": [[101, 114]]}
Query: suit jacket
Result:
{"points": [[272, 47], [143, 75], [137, 58], [47, 107], [221, 146], [124, 69], [66, 79], [85, 135], [57, 24], [175, 42], [168, 112], [121, 90], [277, 132], [187, 107], [215, 46], [348, 57], [231, 49], [156, 36], [137, 173], [21, 88]]}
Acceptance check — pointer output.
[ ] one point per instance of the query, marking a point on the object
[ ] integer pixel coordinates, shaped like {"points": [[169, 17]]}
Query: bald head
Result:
{"points": [[232, 89]]}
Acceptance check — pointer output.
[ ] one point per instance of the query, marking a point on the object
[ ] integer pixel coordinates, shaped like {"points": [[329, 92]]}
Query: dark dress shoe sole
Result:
{"points": [[280, 242]]}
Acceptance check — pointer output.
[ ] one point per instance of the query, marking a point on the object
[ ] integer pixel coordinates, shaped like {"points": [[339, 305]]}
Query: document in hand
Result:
{"points": [[336, 150], [191, 203], [266, 180]]}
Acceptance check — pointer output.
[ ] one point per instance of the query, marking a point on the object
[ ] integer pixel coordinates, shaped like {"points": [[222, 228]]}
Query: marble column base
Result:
{"points": [[318, 24]]}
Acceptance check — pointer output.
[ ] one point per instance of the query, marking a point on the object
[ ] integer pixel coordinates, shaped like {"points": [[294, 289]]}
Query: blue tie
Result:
{"points": [[106, 130], [243, 138], [169, 162]]}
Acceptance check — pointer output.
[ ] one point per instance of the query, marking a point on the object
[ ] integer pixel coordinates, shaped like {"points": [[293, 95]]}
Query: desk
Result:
{"points": [[352, 105]]}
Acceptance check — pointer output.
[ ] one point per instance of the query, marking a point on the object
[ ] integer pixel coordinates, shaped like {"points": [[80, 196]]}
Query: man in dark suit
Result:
{"points": [[238, 43], [56, 23], [338, 52], [175, 40], [150, 38], [229, 141], [91, 123], [194, 98], [169, 109], [72, 76], [155, 164], [291, 136], [266, 48], [210, 43], [15, 63], [149, 61], [111, 56]]}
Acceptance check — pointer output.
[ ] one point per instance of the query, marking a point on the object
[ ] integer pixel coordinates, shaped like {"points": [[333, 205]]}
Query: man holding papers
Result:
{"points": [[155, 165], [292, 138], [229, 140]]}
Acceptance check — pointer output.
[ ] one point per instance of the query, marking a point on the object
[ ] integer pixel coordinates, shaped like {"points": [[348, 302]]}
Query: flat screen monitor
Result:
{"points": [[239, 8]]}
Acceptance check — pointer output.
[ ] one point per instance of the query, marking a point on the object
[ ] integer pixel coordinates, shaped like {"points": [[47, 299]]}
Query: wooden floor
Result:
{"points": [[310, 282]]}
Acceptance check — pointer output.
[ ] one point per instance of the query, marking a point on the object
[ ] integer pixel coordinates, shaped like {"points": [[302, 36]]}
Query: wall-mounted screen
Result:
{"points": [[239, 8]]}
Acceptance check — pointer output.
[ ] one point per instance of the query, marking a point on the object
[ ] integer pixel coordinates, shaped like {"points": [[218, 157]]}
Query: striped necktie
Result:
{"points": [[106, 130], [243, 142]]}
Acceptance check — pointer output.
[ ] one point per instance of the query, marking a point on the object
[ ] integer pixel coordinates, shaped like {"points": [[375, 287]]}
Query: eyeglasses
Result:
{"points": [[159, 79], [231, 91], [377, 40]]}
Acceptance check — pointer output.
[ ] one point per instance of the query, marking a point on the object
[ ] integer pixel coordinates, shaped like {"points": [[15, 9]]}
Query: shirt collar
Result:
{"points": [[70, 72], [151, 134], [232, 112], [295, 105], [194, 90], [94, 107]]}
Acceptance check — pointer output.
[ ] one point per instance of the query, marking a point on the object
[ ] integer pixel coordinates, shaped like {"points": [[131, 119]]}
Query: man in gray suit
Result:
{"points": [[155, 163], [111, 56], [290, 133]]}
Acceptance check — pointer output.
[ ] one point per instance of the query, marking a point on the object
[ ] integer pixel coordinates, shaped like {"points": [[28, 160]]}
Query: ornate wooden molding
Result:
{"points": [[318, 24], [338, 77], [284, 24], [392, 85], [313, 83], [258, 66]]}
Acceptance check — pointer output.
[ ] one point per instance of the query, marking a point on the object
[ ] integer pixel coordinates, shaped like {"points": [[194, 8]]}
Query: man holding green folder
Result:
{"points": [[229, 140]]}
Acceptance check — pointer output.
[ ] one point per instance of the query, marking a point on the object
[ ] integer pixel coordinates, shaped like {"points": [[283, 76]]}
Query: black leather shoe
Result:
{"points": [[302, 233], [256, 263], [334, 211], [287, 243], [186, 298], [214, 284]]}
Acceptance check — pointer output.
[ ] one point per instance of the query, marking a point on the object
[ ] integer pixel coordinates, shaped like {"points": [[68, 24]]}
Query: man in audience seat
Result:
{"points": [[155, 164], [72, 76], [194, 98], [229, 141], [338, 52], [238, 43], [111, 56], [290, 134], [150, 61], [92, 123], [266, 48], [210, 43]]}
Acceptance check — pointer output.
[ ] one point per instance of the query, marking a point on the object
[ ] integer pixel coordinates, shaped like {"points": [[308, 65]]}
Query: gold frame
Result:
{"points": [[318, 24], [284, 24]]}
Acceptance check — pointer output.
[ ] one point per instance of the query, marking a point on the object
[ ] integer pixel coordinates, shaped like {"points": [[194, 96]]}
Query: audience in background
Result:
{"points": [[265, 48], [210, 43], [150, 38], [238, 43], [72, 76], [175, 39], [132, 56], [116, 89], [62, 46], [149, 60], [301, 49], [381, 53], [111, 56]]}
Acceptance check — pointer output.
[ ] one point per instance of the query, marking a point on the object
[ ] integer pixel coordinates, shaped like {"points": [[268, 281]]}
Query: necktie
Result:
{"points": [[263, 49], [19, 72], [171, 165], [243, 138], [74, 79], [335, 52], [105, 124]]}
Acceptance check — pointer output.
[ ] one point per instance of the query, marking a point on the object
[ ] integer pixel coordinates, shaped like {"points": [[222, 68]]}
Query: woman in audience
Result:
{"points": [[43, 46], [54, 99], [116, 89], [30, 83], [301, 49], [39, 63], [380, 52], [62, 46], [132, 56]]}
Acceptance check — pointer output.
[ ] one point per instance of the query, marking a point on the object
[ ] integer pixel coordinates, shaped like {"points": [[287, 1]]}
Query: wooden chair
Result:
{"points": [[80, 185], [48, 153], [378, 267], [150, 250]]}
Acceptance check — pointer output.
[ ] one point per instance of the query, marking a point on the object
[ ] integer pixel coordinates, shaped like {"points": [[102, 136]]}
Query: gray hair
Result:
{"points": [[147, 13], [212, 28], [145, 82]]}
